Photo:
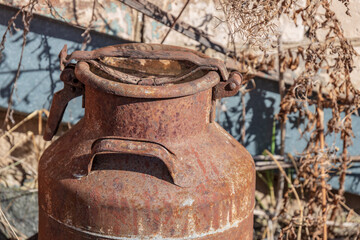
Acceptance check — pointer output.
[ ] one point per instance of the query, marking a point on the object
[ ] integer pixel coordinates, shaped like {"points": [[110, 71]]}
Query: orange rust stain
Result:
{"points": [[216, 171], [216, 216], [199, 161], [135, 221]]}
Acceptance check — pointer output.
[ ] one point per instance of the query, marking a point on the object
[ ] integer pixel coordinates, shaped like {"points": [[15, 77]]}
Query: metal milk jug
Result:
{"points": [[147, 160]]}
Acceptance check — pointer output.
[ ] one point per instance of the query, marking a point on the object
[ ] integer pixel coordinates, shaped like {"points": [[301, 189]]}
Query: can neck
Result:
{"points": [[152, 119]]}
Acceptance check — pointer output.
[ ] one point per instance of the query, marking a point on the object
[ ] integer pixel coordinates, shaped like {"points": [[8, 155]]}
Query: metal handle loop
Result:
{"points": [[114, 144], [147, 51]]}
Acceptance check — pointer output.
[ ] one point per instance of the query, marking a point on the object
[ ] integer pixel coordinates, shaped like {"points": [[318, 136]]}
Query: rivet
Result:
{"points": [[232, 86]]}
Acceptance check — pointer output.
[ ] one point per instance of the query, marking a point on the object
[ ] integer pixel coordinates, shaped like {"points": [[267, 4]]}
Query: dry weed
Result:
{"points": [[329, 53]]}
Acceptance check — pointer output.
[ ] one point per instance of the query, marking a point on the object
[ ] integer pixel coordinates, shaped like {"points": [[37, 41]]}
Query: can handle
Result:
{"points": [[146, 51], [120, 145]]}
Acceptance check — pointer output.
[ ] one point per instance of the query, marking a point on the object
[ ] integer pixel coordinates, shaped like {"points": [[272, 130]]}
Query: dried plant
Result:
{"points": [[331, 54], [14, 170], [27, 11], [334, 56], [27, 15], [253, 21]]}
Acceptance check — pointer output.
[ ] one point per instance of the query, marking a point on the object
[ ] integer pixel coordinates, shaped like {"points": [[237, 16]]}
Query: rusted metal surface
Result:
{"points": [[72, 89], [84, 74], [118, 145], [229, 85], [147, 51], [228, 88], [146, 164]]}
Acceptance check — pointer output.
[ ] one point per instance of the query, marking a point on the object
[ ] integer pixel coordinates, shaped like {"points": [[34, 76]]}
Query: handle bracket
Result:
{"points": [[72, 89], [228, 88]]}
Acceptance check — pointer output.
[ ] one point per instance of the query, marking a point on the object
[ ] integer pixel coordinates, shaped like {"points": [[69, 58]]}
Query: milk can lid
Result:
{"points": [[146, 70], [139, 70]]}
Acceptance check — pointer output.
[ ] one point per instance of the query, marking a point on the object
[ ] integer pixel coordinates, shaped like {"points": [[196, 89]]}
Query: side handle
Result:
{"points": [[119, 145]]}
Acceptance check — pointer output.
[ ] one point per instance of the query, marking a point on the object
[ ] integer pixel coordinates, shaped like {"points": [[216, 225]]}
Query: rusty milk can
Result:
{"points": [[147, 161]]}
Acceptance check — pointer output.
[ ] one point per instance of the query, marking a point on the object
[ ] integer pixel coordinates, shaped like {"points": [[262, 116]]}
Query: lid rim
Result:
{"points": [[84, 75]]}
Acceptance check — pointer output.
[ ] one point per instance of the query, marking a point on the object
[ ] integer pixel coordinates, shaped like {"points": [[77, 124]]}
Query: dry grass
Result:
{"points": [[19, 155]]}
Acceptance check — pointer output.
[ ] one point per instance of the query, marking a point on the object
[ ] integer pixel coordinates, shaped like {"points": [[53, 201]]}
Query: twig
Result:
{"points": [[293, 189], [355, 158], [294, 163], [12, 165], [156, 13], [320, 127], [8, 153], [28, 117], [344, 224], [267, 158], [259, 202], [297, 172], [282, 94], [7, 222], [271, 228], [263, 165], [86, 34], [268, 234], [28, 165], [280, 185], [54, 13], [261, 213], [345, 206], [264, 233], [26, 19], [243, 91], [40, 122], [176, 19], [243, 118]]}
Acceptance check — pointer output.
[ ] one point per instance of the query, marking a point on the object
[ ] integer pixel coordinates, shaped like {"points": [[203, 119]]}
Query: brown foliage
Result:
{"points": [[328, 53]]}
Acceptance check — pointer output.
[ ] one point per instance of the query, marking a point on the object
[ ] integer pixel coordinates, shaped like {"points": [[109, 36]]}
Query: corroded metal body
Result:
{"points": [[146, 162]]}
